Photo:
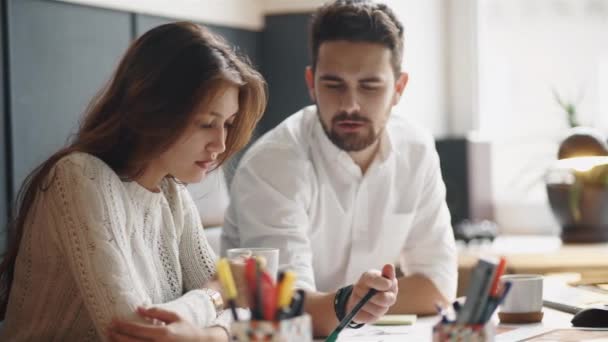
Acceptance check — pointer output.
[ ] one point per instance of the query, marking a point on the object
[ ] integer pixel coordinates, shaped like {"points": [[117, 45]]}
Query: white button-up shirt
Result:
{"points": [[295, 190]]}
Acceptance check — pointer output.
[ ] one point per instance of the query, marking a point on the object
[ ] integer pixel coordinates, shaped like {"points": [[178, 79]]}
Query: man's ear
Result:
{"points": [[309, 76], [400, 86]]}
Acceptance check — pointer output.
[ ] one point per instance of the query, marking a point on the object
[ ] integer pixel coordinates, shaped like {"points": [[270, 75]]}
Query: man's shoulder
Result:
{"points": [[279, 160], [406, 132]]}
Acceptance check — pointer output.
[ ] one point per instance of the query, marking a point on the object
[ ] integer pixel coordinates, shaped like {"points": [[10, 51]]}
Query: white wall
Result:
{"points": [[462, 68], [527, 48], [425, 61], [530, 47], [246, 14], [289, 6]]}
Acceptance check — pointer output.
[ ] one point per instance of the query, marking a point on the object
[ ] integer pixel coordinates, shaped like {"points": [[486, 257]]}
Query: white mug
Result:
{"points": [[270, 255], [526, 294]]}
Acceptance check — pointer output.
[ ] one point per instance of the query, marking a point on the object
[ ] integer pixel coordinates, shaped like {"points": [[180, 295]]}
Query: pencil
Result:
{"points": [[227, 281], [334, 334]]}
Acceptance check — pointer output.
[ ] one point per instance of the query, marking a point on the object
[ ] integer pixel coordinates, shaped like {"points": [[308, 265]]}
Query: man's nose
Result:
{"points": [[349, 102]]}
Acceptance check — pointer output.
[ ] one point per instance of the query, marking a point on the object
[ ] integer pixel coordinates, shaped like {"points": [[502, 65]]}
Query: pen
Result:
{"points": [[505, 292], [489, 309], [500, 270], [334, 335], [286, 289], [251, 277], [496, 301], [269, 302], [259, 292], [265, 294], [285, 293], [297, 305], [225, 277]]}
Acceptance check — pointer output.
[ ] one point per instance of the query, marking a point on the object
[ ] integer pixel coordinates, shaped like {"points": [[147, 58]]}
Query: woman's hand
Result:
{"points": [[164, 326], [378, 305]]}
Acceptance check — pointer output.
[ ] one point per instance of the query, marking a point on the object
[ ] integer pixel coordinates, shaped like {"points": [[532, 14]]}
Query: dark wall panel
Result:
{"points": [[246, 41], [4, 143], [453, 158], [285, 57], [280, 52], [60, 55]]}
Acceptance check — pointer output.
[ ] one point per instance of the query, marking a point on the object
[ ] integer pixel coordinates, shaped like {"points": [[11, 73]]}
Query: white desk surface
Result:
{"points": [[422, 330]]}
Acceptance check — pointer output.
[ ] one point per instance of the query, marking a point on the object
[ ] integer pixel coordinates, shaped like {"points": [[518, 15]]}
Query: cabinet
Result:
{"points": [[60, 55]]}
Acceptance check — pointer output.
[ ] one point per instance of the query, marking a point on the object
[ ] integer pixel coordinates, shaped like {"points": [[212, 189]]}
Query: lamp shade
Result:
{"points": [[581, 142]]}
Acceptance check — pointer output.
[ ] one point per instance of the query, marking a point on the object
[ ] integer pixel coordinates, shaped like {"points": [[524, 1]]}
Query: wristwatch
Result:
{"points": [[216, 299]]}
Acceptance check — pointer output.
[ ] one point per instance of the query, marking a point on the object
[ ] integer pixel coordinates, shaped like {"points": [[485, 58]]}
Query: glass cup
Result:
{"points": [[270, 256]]}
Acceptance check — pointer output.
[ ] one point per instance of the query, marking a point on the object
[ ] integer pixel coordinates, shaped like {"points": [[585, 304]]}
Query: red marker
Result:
{"points": [[500, 270]]}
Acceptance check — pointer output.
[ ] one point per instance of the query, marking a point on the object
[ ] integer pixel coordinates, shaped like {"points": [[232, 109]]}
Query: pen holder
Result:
{"points": [[294, 329], [444, 332]]}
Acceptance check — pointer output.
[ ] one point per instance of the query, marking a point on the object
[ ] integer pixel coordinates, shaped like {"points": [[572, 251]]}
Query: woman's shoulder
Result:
{"points": [[82, 159], [84, 164]]}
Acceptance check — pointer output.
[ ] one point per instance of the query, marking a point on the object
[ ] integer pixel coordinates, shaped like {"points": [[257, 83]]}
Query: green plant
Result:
{"points": [[569, 108], [597, 176]]}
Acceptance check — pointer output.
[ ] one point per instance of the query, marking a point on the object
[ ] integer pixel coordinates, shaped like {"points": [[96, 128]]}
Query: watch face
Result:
{"points": [[216, 298]]}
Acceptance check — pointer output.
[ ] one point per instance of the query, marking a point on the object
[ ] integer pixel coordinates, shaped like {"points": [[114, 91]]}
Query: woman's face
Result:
{"points": [[196, 151]]}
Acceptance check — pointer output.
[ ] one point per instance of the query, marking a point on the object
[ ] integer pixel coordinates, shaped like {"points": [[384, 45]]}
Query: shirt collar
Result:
{"points": [[386, 145]]}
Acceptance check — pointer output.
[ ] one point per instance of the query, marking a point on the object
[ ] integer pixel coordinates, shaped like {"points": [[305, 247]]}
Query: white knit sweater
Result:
{"points": [[95, 247]]}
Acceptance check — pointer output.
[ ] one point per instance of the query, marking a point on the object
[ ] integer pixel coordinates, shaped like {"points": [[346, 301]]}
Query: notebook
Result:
{"points": [[560, 296], [570, 335]]}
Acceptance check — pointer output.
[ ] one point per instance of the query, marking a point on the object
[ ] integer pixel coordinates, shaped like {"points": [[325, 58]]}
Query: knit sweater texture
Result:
{"points": [[96, 247]]}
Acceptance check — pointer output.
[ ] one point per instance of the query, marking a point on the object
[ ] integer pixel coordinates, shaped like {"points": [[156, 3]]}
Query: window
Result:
{"points": [[526, 50]]}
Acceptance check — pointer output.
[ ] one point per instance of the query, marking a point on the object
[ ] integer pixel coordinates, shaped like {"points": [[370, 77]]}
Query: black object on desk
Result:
{"points": [[596, 317]]}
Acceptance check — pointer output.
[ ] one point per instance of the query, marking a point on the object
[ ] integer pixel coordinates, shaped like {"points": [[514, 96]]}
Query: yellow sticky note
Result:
{"points": [[396, 320]]}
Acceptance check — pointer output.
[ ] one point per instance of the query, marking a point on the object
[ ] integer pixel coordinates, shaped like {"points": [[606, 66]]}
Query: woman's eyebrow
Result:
{"points": [[219, 115]]}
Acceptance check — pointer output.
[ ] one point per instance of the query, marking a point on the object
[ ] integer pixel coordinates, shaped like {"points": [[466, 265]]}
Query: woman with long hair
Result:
{"points": [[104, 229]]}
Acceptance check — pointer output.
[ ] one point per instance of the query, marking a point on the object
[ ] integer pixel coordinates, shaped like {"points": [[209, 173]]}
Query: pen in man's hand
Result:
{"points": [[348, 318]]}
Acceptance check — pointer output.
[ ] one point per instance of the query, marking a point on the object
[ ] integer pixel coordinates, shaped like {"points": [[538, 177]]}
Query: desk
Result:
{"points": [[534, 254], [421, 331]]}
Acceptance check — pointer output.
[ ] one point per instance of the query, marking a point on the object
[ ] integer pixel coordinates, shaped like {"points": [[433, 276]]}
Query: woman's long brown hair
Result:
{"points": [[163, 77]]}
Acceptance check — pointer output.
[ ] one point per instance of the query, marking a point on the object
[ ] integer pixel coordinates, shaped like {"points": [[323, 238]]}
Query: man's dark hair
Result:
{"points": [[357, 21]]}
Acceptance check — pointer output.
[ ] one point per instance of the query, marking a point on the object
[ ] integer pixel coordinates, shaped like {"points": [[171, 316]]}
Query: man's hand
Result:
{"points": [[165, 326], [386, 284]]}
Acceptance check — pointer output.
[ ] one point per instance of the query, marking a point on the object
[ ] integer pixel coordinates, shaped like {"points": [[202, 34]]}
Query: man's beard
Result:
{"points": [[351, 141]]}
